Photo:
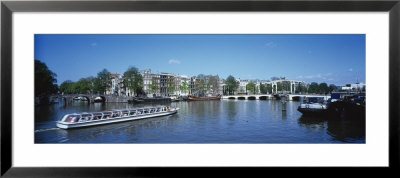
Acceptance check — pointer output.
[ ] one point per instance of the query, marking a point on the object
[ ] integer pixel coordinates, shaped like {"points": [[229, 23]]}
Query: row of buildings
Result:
{"points": [[167, 84]]}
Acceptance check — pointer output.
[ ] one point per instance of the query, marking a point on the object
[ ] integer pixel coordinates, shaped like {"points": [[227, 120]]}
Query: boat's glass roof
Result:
{"points": [[85, 114]]}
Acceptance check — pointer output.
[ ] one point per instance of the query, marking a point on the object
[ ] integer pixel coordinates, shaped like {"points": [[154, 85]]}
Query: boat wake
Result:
{"points": [[43, 130]]}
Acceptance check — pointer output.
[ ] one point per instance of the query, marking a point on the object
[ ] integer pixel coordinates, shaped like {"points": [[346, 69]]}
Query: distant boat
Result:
{"points": [[99, 118], [175, 98], [195, 98], [136, 100], [313, 106], [98, 99]]}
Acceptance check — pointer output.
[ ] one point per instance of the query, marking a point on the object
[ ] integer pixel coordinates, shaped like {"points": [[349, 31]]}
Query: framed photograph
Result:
{"points": [[103, 88]]}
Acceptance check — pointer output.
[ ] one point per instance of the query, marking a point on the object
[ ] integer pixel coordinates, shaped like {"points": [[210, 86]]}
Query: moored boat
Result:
{"points": [[195, 98], [76, 120], [313, 109], [313, 106]]}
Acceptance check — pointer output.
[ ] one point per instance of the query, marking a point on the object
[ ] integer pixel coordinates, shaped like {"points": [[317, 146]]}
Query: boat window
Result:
{"points": [[70, 118], [125, 113], [140, 111], [116, 114], [86, 117], [76, 118], [106, 115], [97, 116], [132, 112]]}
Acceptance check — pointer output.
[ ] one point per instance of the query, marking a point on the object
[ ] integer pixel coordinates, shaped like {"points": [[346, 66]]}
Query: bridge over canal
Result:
{"points": [[289, 97]]}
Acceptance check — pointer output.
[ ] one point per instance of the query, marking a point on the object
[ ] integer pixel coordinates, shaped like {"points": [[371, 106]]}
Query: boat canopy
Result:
{"points": [[72, 118], [84, 117]]}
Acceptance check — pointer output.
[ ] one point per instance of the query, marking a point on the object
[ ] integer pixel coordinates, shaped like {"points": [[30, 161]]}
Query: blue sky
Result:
{"points": [[334, 59]]}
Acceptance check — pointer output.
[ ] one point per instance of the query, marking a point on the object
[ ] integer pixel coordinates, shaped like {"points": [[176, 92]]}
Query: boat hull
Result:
{"points": [[65, 125], [313, 111]]}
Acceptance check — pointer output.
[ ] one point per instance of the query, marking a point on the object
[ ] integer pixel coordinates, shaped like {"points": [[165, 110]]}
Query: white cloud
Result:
{"points": [[318, 76], [271, 44], [173, 61]]}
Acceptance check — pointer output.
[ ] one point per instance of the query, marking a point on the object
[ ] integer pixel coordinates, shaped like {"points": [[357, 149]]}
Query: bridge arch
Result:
{"points": [[296, 98], [103, 99], [251, 98], [241, 98], [263, 97], [84, 96]]}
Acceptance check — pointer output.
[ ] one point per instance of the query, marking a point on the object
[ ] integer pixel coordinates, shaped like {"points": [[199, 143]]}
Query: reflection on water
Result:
{"points": [[340, 130], [225, 121]]}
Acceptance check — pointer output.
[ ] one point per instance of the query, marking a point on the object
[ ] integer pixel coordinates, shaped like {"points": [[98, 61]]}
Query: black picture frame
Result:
{"points": [[8, 7]]}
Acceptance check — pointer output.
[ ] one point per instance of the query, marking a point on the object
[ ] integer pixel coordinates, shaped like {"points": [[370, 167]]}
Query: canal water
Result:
{"points": [[225, 121]]}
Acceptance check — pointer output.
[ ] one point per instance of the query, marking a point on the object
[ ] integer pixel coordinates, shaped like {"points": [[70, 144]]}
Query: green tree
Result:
{"points": [[323, 88], [313, 88], [332, 88], [171, 86], [155, 85], [103, 81], [269, 88], [200, 86], [285, 85], [301, 88], [133, 80], [251, 87], [279, 86], [212, 84], [45, 80], [65, 85], [184, 87], [263, 88], [231, 84], [85, 85]]}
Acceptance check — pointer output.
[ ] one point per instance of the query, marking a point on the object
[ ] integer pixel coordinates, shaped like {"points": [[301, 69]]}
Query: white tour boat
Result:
{"points": [[98, 118]]}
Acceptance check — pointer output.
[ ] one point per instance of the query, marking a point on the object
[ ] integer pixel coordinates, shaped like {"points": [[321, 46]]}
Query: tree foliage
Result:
{"points": [[251, 87], [83, 86], [184, 88], [45, 80], [323, 88], [103, 81], [155, 85], [313, 88], [133, 80], [231, 84], [199, 85], [171, 86], [301, 88], [332, 88], [263, 89], [279, 86], [212, 84]]}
